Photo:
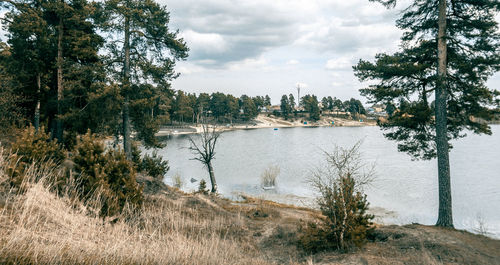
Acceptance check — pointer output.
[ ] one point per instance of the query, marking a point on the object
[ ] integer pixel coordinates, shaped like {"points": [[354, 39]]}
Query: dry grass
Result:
{"points": [[41, 227], [268, 177]]}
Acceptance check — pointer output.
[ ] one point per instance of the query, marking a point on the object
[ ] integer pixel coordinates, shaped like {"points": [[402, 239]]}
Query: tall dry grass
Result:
{"points": [[38, 226]]}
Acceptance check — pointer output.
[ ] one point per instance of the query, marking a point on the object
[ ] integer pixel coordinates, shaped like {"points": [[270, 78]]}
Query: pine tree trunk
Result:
{"points": [[127, 147], [59, 124], [212, 177], [37, 107], [445, 217]]}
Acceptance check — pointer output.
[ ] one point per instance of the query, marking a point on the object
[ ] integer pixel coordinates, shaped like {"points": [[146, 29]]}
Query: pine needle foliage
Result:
{"points": [[154, 165], [202, 188], [108, 172], [32, 147]]}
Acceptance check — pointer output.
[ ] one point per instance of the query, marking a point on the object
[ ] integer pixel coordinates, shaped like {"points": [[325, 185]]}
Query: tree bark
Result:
{"points": [[127, 147], [59, 123], [445, 217], [37, 107], [212, 177]]}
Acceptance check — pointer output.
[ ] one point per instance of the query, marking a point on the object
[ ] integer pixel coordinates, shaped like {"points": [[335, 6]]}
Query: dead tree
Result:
{"points": [[203, 147]]}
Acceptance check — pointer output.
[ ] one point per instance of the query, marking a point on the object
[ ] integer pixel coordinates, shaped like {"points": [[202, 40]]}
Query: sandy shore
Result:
{"points": [[263, 121]]}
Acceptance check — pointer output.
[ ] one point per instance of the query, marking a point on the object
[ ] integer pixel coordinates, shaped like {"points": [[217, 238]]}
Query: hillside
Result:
{"points": [[179, 228]]}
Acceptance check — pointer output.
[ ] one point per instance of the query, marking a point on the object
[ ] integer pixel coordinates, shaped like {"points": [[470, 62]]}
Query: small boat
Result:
{"points": [[275, 129]]}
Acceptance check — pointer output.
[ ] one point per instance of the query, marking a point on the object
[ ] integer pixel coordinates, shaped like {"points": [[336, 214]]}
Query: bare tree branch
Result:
{"points": [[203, 145]]}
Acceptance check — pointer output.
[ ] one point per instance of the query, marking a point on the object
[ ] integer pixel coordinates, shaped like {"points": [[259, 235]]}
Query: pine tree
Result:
{"points": [[248, 106], [12, 116], [29, 61], [80, 71], [285, 107], [202, 106], [142, 55], [54, 60], [233, 107], [291, 100], [310, 103], [267, 101], [450, 48]]}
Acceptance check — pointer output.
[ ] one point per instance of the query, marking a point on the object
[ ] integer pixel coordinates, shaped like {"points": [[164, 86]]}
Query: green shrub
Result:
{"points": [[154, 165], [108, 173], [343, 205], [31, 147], [136, 156], [202, 188]]}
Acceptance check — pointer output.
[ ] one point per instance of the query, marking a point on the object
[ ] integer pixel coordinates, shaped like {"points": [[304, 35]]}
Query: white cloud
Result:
{"points": [[250, 64], [292, 62], [337, 84], [341, 63], [205, 42], [249, 28]]}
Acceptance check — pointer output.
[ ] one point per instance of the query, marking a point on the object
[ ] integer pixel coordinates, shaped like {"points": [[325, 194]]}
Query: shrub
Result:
{"points": [[268, 177], [154, 165], [177, 181], [343, 205], [136, 156], [32, 147], [108, 173], [202, 188]]}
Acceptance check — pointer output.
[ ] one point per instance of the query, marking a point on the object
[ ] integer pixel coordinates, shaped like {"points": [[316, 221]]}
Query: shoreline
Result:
{"points": [[262, 121]]}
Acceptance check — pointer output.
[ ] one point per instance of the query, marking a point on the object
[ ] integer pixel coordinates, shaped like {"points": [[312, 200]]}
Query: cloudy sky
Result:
{"points": [[259, 47]]}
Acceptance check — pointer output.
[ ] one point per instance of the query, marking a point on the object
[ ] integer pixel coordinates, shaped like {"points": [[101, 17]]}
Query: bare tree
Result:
{"points": [[203, 147]]}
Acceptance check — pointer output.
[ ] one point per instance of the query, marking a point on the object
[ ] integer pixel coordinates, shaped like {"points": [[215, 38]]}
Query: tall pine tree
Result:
{"points": [[449, 48], [29, 60], [55, 63], [142, 55]]}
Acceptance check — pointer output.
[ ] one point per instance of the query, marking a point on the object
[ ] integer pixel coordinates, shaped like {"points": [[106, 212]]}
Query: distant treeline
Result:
{"points": [[228, 108], [310, 104], [222, 107]]}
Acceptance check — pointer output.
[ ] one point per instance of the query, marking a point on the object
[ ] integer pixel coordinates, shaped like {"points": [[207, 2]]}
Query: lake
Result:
{"points": [[404, 191]]}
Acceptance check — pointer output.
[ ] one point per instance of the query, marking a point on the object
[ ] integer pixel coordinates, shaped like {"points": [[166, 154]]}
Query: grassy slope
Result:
{"points": [[179, 228]]}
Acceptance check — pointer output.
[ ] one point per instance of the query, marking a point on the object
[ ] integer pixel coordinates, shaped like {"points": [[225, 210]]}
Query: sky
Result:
{"points": [[259, 47]]}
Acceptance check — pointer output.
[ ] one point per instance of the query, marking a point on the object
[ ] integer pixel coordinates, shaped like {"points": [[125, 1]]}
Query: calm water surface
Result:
{"points": [[406, 190]]}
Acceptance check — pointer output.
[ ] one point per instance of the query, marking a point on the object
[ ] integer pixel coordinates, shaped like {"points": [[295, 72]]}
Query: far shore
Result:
{"points": [[263, 121]]}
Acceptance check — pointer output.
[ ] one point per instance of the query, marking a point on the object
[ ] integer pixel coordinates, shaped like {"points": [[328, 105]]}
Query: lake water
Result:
{"points": [[404, 191]]}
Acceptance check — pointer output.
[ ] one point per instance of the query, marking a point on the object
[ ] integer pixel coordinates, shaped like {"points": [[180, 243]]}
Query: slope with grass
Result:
{"points": [[40, 227]]}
